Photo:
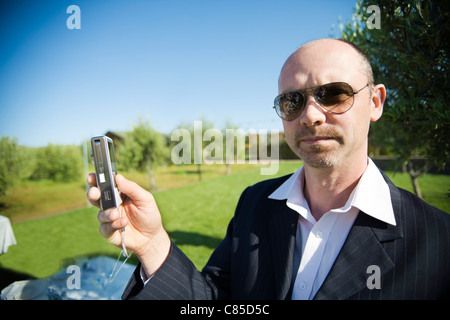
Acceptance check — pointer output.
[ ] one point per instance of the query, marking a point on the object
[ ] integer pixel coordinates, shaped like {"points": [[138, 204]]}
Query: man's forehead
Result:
{"points": [[322, 54], [320, 62], [329, 46]]}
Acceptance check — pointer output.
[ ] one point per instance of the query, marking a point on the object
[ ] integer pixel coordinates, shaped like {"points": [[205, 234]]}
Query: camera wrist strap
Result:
{"points": [[124, 252]]}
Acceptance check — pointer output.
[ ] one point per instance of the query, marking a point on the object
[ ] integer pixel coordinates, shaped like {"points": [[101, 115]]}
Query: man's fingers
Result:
{"points": [[110, 221], [93, 196], [108, 229], [132, 189], [92, 180], [108, 216]]}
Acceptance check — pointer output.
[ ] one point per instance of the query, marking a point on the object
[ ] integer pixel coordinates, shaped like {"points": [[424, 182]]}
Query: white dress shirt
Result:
{"points": [[318, 243]]}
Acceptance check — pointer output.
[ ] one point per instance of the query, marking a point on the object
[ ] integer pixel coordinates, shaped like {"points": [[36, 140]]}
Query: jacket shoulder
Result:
{"points": [[411, 205], [254, 199], [266, 187], [414, 205]]}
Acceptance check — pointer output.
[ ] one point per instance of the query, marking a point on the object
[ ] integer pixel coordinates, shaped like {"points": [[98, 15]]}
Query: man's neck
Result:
{"points": [[329, 188]]}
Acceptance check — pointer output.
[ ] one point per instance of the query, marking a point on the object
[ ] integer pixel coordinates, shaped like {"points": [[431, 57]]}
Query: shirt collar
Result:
{"points": [[371, 195]]}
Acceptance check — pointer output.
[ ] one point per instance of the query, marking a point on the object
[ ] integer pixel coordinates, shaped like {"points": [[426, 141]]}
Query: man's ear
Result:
{"points": [[377, 102]]}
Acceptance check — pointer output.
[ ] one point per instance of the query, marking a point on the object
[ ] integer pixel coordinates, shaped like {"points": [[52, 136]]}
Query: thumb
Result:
{"points": [[131, 189]]}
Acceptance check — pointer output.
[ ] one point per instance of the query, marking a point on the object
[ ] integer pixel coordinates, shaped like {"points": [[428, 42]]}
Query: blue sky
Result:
{"points": [[170, 62]]}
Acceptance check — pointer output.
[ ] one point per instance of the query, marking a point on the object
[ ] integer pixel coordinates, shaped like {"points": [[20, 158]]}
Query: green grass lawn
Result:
{"points": [[195, 215], [34, 199]]}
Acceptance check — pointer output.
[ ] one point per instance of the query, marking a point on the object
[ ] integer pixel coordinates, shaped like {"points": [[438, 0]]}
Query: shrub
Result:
{"points": [[58, 163]]}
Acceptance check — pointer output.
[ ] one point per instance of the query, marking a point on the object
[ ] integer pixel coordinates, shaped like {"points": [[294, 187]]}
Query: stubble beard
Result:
{"points": [[320, 155], [318, 158]]}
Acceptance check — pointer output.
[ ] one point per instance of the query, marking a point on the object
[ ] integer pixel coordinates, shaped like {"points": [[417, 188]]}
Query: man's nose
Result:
{"points": [[312, 115]]}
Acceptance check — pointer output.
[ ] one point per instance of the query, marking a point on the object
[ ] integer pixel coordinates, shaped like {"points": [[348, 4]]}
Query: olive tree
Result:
{"points": [[408, 43]]}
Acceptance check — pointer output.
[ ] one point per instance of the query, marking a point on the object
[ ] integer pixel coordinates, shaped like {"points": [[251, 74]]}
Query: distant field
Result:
{"points": [[196, 215], [37, 199]]}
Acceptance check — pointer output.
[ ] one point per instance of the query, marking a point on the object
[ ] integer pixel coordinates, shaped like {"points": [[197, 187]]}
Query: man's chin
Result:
{"points": [[318, 159]]}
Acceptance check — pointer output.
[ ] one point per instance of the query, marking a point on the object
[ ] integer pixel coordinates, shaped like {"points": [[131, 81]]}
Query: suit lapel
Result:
{"points": [[349, 272], [283, 226], [362, 249]]}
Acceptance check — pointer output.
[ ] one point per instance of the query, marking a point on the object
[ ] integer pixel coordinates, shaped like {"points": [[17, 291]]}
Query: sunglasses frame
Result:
{"points": [[311, 89]]}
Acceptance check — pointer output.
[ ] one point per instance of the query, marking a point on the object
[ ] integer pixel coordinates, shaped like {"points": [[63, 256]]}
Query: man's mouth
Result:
{"points": [[325, 137], [316, 139]]}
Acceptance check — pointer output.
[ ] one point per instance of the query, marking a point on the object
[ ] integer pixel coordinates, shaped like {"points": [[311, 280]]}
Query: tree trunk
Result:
{"points": [[414, 175], [416, 187], [151, 178], [199, 171]]}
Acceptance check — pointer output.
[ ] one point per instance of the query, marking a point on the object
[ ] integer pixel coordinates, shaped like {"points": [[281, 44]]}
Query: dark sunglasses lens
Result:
{"points": [[334, 96], [290, 105]]}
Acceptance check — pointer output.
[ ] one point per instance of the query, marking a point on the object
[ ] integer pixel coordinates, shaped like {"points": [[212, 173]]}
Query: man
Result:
{"points": [[335, 229]]}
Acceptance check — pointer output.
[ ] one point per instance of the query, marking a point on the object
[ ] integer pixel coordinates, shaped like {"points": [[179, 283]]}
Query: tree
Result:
{"points": [[198, 141], [58, 163], [231, 152], [9, 170], [143, 149], [409, 53]]}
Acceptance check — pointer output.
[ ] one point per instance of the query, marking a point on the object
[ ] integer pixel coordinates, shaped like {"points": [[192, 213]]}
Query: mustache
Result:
{"points": [[312, 132]]}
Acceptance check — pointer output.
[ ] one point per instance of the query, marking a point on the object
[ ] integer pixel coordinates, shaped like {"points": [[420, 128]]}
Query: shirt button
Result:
{"points": [[319, 234], [302, 285]]}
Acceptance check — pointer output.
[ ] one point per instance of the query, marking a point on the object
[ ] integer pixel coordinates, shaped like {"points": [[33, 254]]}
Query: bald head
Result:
{"points": [[320, 137], [325, 58]]}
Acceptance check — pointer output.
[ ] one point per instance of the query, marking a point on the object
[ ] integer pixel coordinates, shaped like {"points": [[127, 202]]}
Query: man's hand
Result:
{"points": [[139, 215]]}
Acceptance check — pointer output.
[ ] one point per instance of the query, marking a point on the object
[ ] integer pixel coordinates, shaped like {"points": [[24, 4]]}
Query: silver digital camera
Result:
{"points": [[104, 160]]}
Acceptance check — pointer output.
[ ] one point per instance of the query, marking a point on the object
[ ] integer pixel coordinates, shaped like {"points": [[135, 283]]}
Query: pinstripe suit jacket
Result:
{"points": [[255, 260]]}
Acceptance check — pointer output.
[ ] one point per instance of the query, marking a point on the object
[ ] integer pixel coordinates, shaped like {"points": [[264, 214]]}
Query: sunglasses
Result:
{"points": [[335, 97]]}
